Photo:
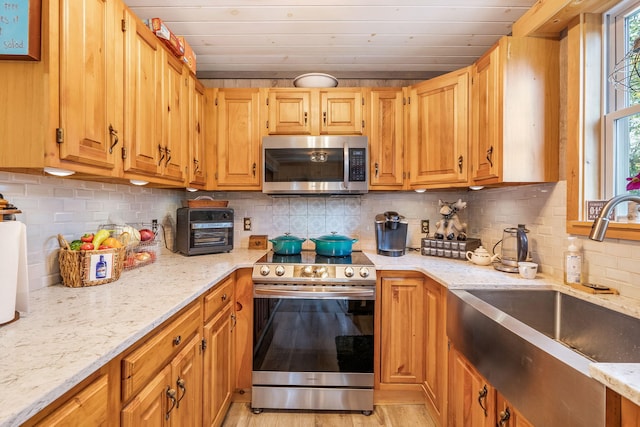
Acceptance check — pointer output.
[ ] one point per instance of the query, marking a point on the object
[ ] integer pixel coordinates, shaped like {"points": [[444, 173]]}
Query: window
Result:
{"points": [[622, 120]]}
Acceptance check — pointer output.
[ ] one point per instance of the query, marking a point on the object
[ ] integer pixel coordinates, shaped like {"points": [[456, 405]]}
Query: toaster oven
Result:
{"points": [[204, 230]]}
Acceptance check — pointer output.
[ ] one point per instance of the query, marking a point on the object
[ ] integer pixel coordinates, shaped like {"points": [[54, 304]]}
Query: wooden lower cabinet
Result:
{"points": [[435, 347], [472, 400], [629, 414], [402, 331], [89, 406], [218, 367], [173, 396]]}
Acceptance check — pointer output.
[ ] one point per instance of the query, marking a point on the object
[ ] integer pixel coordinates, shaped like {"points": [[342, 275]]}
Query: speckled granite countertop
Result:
{"points": [[70, 332]]}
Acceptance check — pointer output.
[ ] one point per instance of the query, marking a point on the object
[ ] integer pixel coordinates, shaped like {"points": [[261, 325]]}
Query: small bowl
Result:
{"points": [[315, 80]]}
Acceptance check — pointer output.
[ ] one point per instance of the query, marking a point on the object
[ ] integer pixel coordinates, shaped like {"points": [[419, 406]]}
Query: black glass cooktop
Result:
{"points": [[310, 257]]}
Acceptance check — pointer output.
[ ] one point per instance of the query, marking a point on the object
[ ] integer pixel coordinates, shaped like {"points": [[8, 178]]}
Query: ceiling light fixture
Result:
{"points": [[138, 182], [58, 171], [626, 73]]}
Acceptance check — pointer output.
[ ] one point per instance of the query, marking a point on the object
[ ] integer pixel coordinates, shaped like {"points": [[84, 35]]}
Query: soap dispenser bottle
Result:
{"points": [[573, 263]]}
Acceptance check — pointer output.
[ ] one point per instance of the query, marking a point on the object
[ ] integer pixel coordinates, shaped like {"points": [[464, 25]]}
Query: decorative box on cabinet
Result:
{"points": [[515, 107]]}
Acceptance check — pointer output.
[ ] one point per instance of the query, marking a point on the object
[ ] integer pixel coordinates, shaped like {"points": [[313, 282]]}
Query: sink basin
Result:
{"points": [[535, 347], [598, 333]]}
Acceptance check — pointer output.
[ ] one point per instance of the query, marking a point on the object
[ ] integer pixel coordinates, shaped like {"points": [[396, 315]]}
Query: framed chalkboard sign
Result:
{"points": [[20, 29]]}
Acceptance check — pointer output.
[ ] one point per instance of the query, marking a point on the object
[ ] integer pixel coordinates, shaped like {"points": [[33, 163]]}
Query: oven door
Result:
{"points": [[313, 336]]}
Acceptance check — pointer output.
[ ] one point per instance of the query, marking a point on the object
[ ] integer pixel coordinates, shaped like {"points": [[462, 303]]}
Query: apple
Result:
{"points": [[146, 235]]}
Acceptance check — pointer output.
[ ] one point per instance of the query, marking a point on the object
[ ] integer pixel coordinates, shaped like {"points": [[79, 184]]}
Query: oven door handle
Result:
{"points": [[336, 294]]}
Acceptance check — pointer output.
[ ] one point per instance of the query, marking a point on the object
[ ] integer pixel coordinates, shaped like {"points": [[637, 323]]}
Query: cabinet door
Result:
{"points": [[88, 407], [151, 406], [472, 400], [402, 330], [175, 139], [243, 331], [218, 367], [439, 130], [630, 413], [91, 62], [507, 415], [386, 139], [435, 346], [186, 369], [341, 112], [197, 160], [289, 112], [143, 99], [485, 104], [239, 139]]}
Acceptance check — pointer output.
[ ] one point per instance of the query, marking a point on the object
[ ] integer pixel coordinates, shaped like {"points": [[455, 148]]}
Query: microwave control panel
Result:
{"points": [[357, 164]]}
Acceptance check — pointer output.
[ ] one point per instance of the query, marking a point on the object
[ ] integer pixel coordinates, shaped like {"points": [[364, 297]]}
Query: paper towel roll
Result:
{"points": [[14, 283]]}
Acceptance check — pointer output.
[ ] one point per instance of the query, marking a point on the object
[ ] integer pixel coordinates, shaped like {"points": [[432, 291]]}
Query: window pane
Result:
{"points": [[632, 32], [627, 151]]}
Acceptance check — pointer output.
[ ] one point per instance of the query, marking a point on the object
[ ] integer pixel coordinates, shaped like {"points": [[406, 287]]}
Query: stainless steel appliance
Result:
{"points": [[204, 230], [514, 248], [332, 164], [391, 233], [313, 332]]}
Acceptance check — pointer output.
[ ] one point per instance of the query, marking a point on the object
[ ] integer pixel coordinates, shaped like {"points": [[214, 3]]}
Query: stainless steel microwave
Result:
{"points": [[328, 164]]}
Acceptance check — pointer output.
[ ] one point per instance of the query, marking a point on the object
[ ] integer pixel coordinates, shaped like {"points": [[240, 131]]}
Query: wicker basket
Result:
{"points": [[78, 268]]}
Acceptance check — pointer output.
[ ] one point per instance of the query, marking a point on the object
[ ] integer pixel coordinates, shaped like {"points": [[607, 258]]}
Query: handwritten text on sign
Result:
{"points": [[14, 27]]}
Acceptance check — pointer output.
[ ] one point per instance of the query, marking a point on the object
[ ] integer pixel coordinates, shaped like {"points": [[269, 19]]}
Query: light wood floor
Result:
{"points": [[394, 415]]}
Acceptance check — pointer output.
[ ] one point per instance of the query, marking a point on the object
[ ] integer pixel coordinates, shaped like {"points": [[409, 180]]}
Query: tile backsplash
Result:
{"points": [[71, 207]]}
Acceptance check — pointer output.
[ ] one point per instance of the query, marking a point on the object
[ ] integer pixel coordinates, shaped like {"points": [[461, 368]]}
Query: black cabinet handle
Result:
{"points": [[482, 399], [114, 138]]}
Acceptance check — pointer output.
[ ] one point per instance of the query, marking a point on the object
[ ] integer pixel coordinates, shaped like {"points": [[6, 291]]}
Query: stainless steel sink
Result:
{"points": [[535, 346]]}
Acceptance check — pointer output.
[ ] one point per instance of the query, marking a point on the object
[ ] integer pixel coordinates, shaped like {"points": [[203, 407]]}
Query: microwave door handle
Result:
{"points": [[346, 166]]}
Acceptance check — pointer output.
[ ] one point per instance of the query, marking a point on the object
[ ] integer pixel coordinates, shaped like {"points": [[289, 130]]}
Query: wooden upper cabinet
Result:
{"points": [[197, 160], [515, 107], [386, 138], [439, 131], [239, 139], [144, 110], [341, 111], [91, 92], [299, 111], [290, 112], [175, 121]]}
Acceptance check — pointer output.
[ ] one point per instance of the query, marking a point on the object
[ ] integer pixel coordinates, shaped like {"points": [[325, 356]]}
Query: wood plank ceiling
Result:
{"points": [[366, 39]]}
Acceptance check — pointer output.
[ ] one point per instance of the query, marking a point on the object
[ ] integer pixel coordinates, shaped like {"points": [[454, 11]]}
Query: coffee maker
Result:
{"points": [[391, 233]]}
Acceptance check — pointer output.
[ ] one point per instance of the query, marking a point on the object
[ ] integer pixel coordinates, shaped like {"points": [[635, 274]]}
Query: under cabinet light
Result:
{"points": [[58, 171], [420, 190], [476, 187], [191, 189], [138, 182]]}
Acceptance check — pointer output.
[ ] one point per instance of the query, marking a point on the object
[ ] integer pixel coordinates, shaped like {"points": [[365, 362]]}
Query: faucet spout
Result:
{"points": [[601, 223]]}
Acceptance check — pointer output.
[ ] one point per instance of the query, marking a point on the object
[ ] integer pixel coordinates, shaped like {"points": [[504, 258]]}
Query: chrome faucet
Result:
{"points": [[600, 224]]}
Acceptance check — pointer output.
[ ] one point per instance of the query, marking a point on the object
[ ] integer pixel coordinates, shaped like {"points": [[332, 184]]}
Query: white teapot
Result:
{"points": [[481, 256]]}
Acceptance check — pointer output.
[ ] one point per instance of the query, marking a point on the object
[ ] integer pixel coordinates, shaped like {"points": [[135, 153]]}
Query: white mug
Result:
{"points": [[527, 270]]}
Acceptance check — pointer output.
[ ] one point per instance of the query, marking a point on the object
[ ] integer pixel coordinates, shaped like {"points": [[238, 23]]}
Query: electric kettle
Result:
{"points": [[514, 249]]}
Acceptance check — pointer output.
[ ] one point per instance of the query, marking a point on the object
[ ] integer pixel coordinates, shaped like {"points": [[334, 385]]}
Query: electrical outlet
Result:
{"points": [[247, 224], [424, 226]]}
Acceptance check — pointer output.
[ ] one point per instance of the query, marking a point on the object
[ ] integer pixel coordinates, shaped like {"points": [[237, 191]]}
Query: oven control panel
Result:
{"points": [[269, 273]]}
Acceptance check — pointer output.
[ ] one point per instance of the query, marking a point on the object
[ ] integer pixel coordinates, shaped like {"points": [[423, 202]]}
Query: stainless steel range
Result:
{"points": [[313, 332]]}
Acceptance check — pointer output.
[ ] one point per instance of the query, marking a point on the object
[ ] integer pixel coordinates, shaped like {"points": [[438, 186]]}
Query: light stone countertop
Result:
{"points": [[72, 332]]}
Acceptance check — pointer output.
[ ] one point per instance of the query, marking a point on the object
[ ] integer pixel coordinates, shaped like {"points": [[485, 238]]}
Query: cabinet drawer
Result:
{"points": [[140, 365], [221, 295]]}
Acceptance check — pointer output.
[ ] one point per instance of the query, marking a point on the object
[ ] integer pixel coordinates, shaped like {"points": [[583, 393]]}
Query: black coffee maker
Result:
{"points": [[391, 233]]}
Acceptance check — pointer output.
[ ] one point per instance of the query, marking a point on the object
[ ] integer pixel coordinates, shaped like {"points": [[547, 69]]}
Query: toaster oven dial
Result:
{"points": [[265, 270], [348, 272], [364, 272], [280, 270]]}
